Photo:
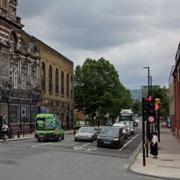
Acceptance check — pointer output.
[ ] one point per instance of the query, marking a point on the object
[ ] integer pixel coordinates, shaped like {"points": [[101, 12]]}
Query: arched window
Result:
{"points": [[57, 82], [43, 77], [50, 81], [62, 83], [67, 85]]}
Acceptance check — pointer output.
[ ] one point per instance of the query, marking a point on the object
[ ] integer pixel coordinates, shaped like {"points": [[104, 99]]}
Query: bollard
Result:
{"points": [[18, 134]]}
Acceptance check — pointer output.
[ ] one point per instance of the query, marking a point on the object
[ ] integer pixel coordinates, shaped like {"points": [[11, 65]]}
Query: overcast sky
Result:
{"points": [[130, 34]]}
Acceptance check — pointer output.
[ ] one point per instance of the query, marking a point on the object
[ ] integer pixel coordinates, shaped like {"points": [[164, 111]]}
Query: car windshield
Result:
{"points": [[45, 123], [113, 131], [126, 118], [86, 130], [119, 124]]}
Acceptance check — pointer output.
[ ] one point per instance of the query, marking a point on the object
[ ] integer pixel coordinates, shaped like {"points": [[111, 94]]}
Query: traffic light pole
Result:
{"points": [[147, 123], [158, 126], [143, 132]]}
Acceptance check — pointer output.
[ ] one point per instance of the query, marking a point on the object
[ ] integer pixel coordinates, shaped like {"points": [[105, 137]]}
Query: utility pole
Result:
{"points": [[143, 131]]}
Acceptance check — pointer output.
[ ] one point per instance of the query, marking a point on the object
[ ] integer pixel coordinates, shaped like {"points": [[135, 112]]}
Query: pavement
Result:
{"points": [[167, 166], [32, 136]]}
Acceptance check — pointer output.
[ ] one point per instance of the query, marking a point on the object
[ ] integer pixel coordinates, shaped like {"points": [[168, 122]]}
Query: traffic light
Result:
{"points": [[149, 106], [157, 104]]}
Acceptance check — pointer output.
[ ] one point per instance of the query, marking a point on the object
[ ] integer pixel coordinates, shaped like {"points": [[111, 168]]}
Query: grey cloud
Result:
{"points": [[94, 25], [94, 28]]}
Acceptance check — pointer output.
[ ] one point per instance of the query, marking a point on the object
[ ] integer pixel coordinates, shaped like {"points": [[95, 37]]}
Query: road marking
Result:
{"points": [[41, 145], [55, 144], [80, 147], [135, 152], [84, 145], [128, 142], [77, 148]]}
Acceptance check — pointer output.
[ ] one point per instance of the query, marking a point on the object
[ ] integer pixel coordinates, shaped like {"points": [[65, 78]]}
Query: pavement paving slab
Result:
{"points": [[167, 165]]}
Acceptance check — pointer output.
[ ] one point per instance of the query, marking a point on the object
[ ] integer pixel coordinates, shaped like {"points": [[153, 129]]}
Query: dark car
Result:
{"points": [[111, 137]]}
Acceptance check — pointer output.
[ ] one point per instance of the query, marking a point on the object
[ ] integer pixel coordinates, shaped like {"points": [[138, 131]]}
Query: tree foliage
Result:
{"points": [[98, 88], [137, 106]]}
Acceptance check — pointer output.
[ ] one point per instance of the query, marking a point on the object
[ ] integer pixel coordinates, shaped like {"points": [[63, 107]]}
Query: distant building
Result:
{"points": [[171, 95], [136, 94], [144, 90]]}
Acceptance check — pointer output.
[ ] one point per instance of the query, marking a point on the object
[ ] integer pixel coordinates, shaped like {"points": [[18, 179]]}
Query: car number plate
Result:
{"points": [[107, 142]]}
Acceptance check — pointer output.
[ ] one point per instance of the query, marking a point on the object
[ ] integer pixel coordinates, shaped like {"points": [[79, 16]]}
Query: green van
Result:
{"points": [[48, 127]]}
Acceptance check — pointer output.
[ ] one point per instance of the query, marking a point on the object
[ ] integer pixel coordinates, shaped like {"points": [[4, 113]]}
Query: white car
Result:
{"points": [[130, 127], [124, 127]]}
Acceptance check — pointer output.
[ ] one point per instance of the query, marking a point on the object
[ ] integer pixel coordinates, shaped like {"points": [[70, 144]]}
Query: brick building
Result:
{"points": [[56, 83], [176, 83]]}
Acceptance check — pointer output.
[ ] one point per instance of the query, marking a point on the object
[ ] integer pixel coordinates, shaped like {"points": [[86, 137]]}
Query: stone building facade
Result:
{"points": [[19, 72], [34, 77]]}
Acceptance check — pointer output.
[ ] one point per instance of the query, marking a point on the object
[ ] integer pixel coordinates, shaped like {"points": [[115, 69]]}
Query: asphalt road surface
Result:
{"points": [[67, 160]]}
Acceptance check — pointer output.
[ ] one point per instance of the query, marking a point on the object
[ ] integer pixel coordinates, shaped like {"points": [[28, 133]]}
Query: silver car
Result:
{"points": [[86, 134]]}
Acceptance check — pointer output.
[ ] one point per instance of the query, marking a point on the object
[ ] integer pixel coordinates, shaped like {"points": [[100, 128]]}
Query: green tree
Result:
{"points": [[98, 89], [137, 106]]}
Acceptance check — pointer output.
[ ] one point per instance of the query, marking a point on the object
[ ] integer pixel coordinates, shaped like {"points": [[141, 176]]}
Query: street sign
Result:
{"points": [[23, 112], [151, 119]]}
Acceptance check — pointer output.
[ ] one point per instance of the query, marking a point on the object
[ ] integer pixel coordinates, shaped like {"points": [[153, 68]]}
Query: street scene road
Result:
{"points": [[29, 159]]}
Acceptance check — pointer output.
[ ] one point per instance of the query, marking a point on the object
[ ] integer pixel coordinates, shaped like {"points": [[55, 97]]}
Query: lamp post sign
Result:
{"points": [[151, 119]]}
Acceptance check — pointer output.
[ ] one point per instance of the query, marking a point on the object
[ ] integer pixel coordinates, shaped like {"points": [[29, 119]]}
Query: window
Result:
{"points": [[13, 41], [57, 82], [50, 80], [43, 77], [14, 75], [24, 75], [71, 86], [67, 85], [62, 83], [14, 113]]}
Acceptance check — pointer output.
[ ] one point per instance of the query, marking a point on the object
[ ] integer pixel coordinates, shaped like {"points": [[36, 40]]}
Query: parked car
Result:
{"points": [[111, 137], [86, 134]]}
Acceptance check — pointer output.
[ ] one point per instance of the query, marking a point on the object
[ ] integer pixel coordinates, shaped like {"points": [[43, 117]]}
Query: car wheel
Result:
{"points": [[62, 138], [98, 145], [40, 139]]}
